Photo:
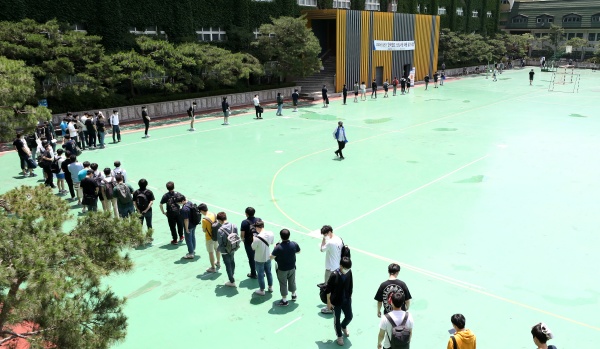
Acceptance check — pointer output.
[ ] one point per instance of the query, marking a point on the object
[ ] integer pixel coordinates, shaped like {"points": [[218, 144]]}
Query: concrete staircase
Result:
{"points": [[313, 84]]}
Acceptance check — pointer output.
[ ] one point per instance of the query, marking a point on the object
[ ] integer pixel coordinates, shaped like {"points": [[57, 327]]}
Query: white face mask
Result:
{"points": [[344, 270]]}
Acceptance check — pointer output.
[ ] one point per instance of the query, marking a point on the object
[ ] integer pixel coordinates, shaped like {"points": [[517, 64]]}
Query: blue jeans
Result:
{"points": [[228, 259], [101, 139], [263, 268], [190, 240], [279, 109], [125, 211]]}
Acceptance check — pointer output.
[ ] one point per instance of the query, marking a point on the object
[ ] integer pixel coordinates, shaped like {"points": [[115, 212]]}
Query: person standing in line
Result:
{"points": [[100, 127], [356, 88], [396, 317], [345, 93], [531, 74], [142, 200], [45, 164], [83, 134], [146, 120], [332, 246], [63, 126], [541, 335], [123, 192], [90, 126], [173, 212], [279, 104], [363, 91], [24, 155], [192, 114], [462, 338], [426, 81], [386, 86], [257, 107], [388, 288], [72, 130], [443, 78], [211, 236], [395, 85], [284, 254], [325, 98], [116, 130], [64, 166], [374, 89], [189, 226], [340, 136], [407, 84], [60, 176], [261, 245], [436, 77], [106, 189], [225, 230], [74, 167], [295, 97], [248, 232], [118, 170], [89, 187], [226, 111], [339, 298]]}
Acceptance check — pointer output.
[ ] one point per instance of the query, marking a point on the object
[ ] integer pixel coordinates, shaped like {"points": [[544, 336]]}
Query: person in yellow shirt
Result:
{"points": [[211, 243], [462, 338]]}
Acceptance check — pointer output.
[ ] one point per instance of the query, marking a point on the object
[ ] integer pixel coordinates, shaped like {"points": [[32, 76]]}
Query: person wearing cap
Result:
{"points": [[340, 136], [146, 120], [462, 338], [114, 122]]}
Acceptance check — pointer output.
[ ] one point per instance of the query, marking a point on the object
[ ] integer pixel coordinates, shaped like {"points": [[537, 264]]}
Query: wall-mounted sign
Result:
{"points": [[380, 45]]}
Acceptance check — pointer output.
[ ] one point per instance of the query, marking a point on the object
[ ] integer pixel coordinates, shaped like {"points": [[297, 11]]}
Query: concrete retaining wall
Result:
{"points": [[180, 107]]}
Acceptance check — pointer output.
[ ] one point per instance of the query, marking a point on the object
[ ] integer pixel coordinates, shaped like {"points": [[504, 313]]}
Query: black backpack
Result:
{"points": [[195, 216], [54, 166], [173, 207], [345, 250], [124, 196], [400, 338], [141, 200], [108, 188]]}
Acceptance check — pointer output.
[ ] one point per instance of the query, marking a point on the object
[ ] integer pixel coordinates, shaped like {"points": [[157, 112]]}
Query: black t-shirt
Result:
{"points": [[373, 85], [89, 125], [324, 92], [100, 125], [165, 200], [245, 227], [144, 115], [20, 145], [285, 255], [64, 166], [531, 75], [88, 186], [426, 78], [385, 291], [70, 146]]}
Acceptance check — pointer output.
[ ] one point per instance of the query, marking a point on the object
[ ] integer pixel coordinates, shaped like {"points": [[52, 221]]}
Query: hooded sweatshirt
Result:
{"points": [[464, 340]]}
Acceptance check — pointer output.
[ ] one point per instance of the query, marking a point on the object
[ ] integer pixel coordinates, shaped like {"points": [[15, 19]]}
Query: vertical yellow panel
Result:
{"points": [[436, 42], [340, 70], [422, 45], [383, 27], [365, 46]]}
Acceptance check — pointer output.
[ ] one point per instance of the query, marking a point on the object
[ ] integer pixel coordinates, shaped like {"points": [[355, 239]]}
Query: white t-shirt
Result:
{"points": [[397, 316], [72, 130], [114, 119], [256, 101], [117, 170], [333, 253], [262, 252]]}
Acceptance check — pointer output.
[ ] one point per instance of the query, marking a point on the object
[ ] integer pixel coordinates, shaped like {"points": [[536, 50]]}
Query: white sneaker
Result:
{"points": [[192, 129], [270, 289], [188, 256], [230, 284], [260, 292]]}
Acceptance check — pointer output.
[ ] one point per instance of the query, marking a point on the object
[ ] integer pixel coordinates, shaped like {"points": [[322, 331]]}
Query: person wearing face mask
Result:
{"points": [[339, 298]]}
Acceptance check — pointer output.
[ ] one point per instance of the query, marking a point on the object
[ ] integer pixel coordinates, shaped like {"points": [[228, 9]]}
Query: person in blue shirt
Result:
{"points": [[340, 136]]}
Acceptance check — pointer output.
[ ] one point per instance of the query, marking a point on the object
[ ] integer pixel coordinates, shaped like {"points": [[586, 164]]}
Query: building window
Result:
{"points": [[579, 35], [307, 3], [570, 36], [489, 14], [341, 4], [544, 19], [211, 34], [571, 18], [372, 5], [459, 11], [475, 14], [592, 37], [151, 30], [596, 18], [257, 33], [441, 10], [519, 19], [550, 19]]}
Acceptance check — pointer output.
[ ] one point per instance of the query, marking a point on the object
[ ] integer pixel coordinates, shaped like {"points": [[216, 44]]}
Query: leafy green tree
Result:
{"points": [[138, 70], [50, 281], [290, 43], [579, 44], [517, 45], [17, 86], [555, 36]]}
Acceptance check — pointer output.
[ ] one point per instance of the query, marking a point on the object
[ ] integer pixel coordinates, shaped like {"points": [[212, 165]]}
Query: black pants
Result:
{"points": [[341, 146], [49, 182], [175, 220], [250, 254], [148, 217], [116, 132], [346, 307], [91, 139], [70, 184], [345, 96], [146, 126], [258, 113]]}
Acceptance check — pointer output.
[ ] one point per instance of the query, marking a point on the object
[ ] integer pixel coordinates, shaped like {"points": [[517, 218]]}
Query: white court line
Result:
{"points": [[411, 192], [284, 327]]}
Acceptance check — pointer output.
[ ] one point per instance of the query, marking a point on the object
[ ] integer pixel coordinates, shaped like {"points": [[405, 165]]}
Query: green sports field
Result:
{"points": [[485, 192]]}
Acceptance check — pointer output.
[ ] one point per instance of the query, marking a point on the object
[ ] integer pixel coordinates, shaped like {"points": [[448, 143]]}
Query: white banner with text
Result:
{"points": [[380, 45]]}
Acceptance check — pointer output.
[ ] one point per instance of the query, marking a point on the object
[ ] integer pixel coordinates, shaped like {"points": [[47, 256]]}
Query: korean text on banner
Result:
{"points": [[380, 45]]}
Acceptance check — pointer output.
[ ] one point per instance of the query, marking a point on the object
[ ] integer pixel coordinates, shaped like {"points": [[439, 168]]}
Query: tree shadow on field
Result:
{"points": [[225, 291]]}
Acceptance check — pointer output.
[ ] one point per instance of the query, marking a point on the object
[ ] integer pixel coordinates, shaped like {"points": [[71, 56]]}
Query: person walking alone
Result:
{"points": [[374, 89], [226, 111], [325, 98], [146, 120], [340, 136], [345, 93], [295, 97], [356, 88], [114, 122], [279, 104]]}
